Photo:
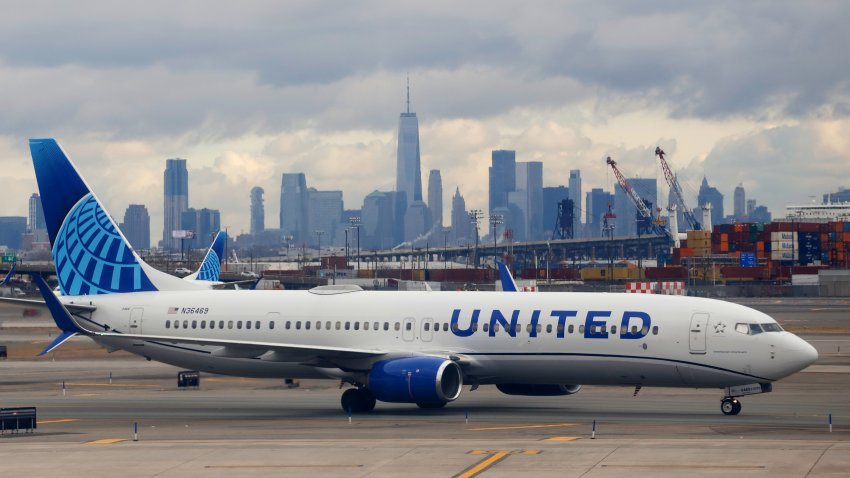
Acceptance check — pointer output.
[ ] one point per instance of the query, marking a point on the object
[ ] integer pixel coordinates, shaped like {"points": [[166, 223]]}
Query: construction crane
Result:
{"points": [[643, 209], [677, 191]]}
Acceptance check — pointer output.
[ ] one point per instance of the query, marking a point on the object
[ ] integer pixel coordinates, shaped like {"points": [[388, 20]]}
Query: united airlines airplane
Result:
{"points": [[404, 347]]}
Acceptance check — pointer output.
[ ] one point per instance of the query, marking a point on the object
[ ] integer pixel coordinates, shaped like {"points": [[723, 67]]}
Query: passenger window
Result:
{"points": [[287, 325], [248, 324], [271, 325], [570, 329], [474, 327], [229, 324], [212, 324], [397, 327], [613, 329], [446, 327], [485, 327], [603, 328], [634, 329], [427, 327], [347, 325], [548, 328], [338, 325], [528, 328], [376, 326], [185, 324], [455, 328], [298, 325], [357, 326], [167, 324], [328, 325], [307, 325], [644, 330], [365, 325], [239, 325], [220, 324], [654, 330], [496, 327], [539, 328], [581, 329], [194, 324], [386, 326], [319, 325], [408, 326], [257, 324], [203, 324]]}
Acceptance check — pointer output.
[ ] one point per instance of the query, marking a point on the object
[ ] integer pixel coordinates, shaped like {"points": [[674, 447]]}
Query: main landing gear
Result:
{"points": [[357, 400], [730, 406]]}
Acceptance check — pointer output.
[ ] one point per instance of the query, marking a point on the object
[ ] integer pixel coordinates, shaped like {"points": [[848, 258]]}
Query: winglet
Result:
{"points": [[8, 277], [61, 339], [508, 284], [210, 269]]}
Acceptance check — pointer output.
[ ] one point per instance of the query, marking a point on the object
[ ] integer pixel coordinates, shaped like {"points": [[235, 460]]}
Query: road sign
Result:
{"points": [[9, 257]]}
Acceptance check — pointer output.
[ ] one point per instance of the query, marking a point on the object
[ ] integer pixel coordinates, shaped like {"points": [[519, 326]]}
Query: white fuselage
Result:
{"points": [[686, 342]]}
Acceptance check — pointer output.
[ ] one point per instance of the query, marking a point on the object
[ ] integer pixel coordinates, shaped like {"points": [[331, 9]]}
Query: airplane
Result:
{"points": [[210, 268], [8, 277], [405, 347]]}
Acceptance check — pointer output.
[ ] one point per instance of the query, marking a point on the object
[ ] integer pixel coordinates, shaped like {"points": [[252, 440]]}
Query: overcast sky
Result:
{"points": [[753, 92]]}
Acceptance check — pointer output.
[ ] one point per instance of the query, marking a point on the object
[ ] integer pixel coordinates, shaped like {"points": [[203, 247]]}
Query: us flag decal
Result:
{"points": [[172, 310]]}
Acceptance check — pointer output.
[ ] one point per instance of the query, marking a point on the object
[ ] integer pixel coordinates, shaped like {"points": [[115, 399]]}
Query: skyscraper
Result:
{"points": [[258, 211], [204, 222], [35, 223], [324, 214], [294, 203], [176, 180], [137, 226], [502, 177], [376, 216], [527, 199], [460, 219], [408, 173], [575, 195], [435, 197], [11, 230], [710, 195], [740, 206], [551, 197]]}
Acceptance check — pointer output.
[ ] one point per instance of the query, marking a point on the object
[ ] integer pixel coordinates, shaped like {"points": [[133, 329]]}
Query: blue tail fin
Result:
{"points": [[210, 269], [508, 284], [8, 277], [90, 253]]}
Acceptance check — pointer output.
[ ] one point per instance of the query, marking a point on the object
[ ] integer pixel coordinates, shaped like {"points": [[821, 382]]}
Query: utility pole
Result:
{"points": [[355, 223], [475, 217], [319, 235], [495, 220], [446, 231]]}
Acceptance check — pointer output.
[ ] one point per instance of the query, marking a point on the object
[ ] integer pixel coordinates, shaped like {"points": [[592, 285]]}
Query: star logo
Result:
{"points": [[719, 328]]}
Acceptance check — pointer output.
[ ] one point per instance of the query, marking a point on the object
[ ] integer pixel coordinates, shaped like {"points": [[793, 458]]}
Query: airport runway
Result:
{"points": [[248, 427]]}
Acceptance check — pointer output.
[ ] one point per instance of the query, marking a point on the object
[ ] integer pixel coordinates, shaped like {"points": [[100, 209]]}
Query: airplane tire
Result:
{"points": [[730, 406], [357, 400]]}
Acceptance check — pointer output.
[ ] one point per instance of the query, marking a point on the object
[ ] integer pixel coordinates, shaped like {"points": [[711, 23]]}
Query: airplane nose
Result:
{"points": [[804, 353]]}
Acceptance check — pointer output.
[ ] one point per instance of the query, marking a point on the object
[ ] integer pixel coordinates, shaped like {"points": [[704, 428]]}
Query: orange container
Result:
{"points": [[686, 252], [724, 247]]}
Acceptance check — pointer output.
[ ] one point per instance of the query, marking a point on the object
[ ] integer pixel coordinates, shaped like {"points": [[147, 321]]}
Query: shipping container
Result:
{"points": [[784, 255], [663, 273], [783, 236], [738, 272]]}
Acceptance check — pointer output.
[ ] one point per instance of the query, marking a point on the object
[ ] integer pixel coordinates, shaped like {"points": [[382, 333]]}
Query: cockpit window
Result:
{"points": [[755, 329], [771, 327], [742, 328]]}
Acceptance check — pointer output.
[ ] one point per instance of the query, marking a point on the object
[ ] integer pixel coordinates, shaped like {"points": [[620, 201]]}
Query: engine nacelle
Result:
{"points": [[537, 390], [415, 380]]}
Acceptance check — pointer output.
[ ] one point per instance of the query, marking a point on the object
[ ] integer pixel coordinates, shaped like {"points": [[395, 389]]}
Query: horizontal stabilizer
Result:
{"points": [[60, 314]]}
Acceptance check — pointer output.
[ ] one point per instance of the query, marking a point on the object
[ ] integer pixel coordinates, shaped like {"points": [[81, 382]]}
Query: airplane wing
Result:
{"points": [[27, 303]]}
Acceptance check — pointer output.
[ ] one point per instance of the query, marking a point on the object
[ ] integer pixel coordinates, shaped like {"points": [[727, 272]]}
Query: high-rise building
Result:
{"points": [[137, 226], [294, 203], [751, 206], [626, 211], [35, 223], [204, 222], [551, 197], [11, 230], [324, 214], [376, 219], [502, 177], [525, 202], [258, 211], [408, 172], [740, 206], [710, 195], [435, 197], [176, 181], [575, 195], [417, 221], [461, 229], [596, 206]]}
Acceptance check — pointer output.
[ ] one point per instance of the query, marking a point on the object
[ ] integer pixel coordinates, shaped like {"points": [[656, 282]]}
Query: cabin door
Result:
{"points": [[699, 322], [135, 325]]}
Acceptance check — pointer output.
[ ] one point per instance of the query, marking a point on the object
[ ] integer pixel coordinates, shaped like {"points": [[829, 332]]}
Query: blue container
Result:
{"points": [[847, 227]]}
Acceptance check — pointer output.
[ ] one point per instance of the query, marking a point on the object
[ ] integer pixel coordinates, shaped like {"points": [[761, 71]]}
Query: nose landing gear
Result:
{"points": [[730, 406]]}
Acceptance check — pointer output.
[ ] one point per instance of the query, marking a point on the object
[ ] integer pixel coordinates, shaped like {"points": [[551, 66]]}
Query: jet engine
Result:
{"points": [[420, 380]]}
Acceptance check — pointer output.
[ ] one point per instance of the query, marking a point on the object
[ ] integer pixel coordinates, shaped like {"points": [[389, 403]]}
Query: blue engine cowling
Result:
{"points": [[415, 380], [537, 390]]}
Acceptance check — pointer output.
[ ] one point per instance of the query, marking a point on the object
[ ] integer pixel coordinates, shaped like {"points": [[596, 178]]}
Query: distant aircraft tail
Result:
{"points": [[210, 269], [91, 254], [8, 277], [508, 283]]}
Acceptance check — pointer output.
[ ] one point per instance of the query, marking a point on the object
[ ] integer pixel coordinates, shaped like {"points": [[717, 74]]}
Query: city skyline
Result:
{"points": [[728, 93]]}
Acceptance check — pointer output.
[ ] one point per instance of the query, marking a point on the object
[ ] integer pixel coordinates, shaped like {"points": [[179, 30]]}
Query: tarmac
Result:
{"points": [[251, 427]]}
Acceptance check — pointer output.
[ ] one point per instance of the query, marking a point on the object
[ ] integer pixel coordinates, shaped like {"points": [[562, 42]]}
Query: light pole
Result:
{"points": [[355, 223], [495, 220], [475, 217], [446, 231], [319, 235]]}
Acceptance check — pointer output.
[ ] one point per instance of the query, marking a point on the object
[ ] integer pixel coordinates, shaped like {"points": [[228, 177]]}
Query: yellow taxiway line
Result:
{"points": [[518, 427]]}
